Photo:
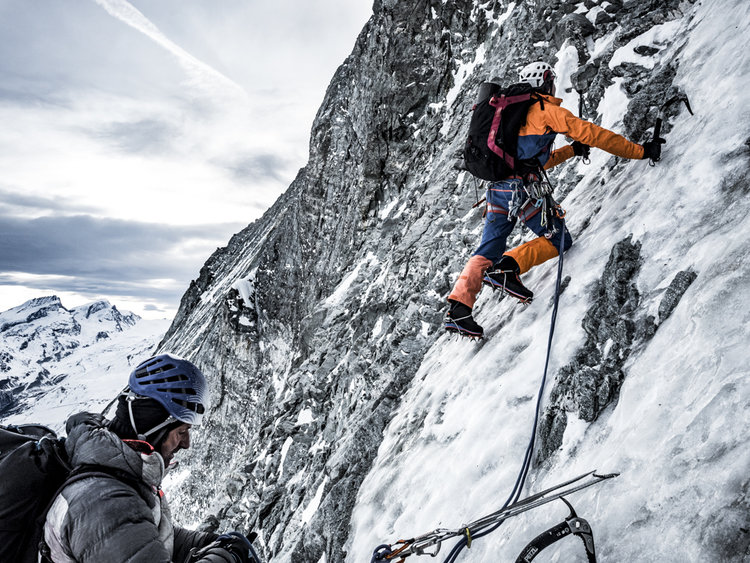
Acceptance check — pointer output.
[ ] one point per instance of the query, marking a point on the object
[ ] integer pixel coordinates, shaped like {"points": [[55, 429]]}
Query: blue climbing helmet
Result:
{"points": [[176, 383]]}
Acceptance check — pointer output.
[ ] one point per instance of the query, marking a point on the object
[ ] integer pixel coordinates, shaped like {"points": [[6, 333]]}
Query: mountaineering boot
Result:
{"points": [[504, 276], [459, 320]]}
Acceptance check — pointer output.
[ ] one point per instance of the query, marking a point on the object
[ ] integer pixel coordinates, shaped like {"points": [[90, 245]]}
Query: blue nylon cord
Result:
{"points": [[521, 479]]}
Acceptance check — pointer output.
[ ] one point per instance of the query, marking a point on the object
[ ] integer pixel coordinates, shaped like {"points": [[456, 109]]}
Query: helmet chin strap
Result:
{"points": [[130, 397]]}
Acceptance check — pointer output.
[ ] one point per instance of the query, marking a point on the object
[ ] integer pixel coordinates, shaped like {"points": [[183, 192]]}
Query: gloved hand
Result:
{"points": [[652, 149], [228, 548], [237, 544], [579, 149]]}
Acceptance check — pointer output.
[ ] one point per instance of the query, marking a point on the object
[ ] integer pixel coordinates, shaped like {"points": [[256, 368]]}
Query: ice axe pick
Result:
{"points": [[662, 113]]}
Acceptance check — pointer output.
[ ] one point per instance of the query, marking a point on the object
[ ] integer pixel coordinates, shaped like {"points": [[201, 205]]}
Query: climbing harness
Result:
{"points": [[534, 192], [513, 506], [550, 209], [430, 543]]}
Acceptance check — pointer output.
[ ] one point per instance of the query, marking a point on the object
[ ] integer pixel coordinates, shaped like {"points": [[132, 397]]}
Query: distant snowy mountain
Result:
{"points": [[54, 361]]}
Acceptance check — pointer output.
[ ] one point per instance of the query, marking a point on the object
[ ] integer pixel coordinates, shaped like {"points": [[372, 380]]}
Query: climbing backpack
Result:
{"points": [[498, 115], [33, 466]]}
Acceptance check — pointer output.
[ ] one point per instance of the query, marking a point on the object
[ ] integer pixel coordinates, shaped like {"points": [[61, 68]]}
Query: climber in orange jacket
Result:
{"points": [[510, 199]]}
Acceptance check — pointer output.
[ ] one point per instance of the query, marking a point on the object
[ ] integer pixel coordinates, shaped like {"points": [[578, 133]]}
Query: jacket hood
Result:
{"points": [[89, 442]]}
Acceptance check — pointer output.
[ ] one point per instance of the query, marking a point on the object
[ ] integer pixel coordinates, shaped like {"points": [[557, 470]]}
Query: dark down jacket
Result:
{"points": [[104, 519]]}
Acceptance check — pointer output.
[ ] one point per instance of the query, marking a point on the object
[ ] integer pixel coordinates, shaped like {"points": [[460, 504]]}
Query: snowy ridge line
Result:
{"points": [[57, 361]]}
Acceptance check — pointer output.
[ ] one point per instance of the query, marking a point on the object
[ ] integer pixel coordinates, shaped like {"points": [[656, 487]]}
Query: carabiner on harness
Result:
{"points": [[538, 190], [517, 200]]}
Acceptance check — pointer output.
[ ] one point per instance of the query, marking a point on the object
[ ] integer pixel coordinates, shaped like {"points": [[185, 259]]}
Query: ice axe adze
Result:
{"points": [[662, 112]]}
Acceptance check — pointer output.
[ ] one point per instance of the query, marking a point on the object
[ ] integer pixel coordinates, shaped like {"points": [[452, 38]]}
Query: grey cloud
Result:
{"points": [[257, 167], [13, 198], [144, 136], [106, 256]]}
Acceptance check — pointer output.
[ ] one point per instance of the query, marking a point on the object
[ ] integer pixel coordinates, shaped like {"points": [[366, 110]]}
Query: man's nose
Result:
{"points": [[185, 442]]}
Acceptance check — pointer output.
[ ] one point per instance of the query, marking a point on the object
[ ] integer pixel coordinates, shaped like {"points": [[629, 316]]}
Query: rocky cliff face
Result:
{"points": [[314, 321]]}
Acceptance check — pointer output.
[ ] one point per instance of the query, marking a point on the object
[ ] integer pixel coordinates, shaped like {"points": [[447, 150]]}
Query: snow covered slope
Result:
{"points": [[678, 430], [346, 418], [55, 361]]}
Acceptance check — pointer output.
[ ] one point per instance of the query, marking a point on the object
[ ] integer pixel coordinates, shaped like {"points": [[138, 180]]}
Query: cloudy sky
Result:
{"points": [[138, 136]]}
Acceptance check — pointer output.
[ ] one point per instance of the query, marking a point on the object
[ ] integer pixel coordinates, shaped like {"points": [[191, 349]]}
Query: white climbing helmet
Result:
{"points": [[537, 74]]}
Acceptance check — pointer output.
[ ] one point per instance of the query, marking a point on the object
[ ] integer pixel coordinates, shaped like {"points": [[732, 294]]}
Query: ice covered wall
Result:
{"points": [[344, 417]]}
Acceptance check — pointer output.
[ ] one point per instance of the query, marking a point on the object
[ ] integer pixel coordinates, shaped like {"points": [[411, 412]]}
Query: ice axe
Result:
{"points": [[662, 112], [587, 150]]}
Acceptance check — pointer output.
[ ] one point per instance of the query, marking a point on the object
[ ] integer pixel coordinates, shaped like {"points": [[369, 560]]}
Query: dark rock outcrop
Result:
{"points": [[613, 326]]}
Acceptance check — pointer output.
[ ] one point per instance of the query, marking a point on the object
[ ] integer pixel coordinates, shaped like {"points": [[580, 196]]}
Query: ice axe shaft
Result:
{"points": [[586, 159], [662, 112]]}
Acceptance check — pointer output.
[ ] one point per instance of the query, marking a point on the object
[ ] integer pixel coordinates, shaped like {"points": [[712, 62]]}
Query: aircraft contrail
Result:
{"points": [[201, 75]]}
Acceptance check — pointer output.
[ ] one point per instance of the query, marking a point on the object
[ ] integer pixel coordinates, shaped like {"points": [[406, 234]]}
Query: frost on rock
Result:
{"points": [[239, 304]]}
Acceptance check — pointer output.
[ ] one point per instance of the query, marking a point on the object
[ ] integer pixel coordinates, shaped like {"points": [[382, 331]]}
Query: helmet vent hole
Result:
{"points": [[195, 407]]}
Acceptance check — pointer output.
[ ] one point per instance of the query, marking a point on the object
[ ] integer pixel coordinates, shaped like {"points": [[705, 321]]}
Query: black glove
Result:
{"points": [[652, 149], [237, 544], [228, 548], [579, 149]]}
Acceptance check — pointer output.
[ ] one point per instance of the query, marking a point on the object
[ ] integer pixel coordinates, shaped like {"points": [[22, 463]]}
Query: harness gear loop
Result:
{"points": [[538, 190]]}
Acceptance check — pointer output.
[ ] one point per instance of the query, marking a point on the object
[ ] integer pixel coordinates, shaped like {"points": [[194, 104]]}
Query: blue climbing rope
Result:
{"points": [[526, 466], [486, 526]]}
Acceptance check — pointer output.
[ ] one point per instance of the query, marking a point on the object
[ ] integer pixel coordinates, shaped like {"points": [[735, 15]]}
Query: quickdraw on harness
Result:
{"points": [[535, 191]]}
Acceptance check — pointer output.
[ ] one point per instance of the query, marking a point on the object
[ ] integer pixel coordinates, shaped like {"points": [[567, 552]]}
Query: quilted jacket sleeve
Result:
{"points": [[563, 121], [559, 156]]}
